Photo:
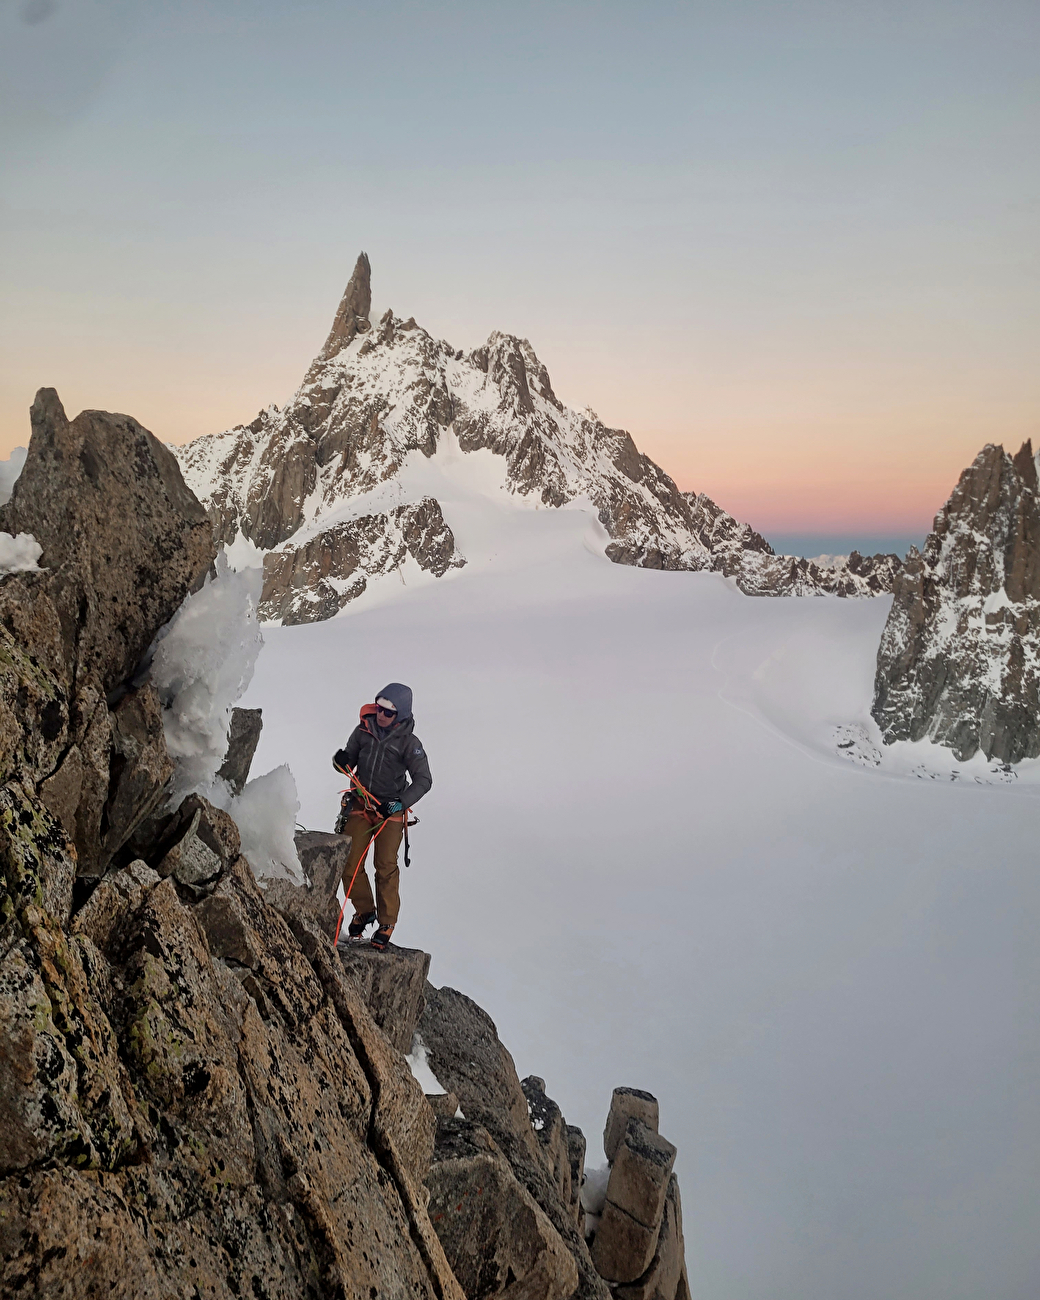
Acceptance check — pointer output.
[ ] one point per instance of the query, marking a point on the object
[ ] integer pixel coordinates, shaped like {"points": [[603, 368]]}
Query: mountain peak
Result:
{"points": [[367, 416], [355, 305]]}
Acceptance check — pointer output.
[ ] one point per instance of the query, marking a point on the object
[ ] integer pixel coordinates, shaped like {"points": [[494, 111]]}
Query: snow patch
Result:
{"points": [[422, 1071], [852, 741], [243, 553], [265, 813], [594, 1196], [202, 662], [19, 554]]}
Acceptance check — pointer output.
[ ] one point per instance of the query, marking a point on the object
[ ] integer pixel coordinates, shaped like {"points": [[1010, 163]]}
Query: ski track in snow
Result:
{"points": [[827, 979]]}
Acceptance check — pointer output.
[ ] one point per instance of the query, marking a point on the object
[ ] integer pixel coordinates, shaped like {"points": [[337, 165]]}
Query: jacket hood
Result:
{"points": [[400, 696]]}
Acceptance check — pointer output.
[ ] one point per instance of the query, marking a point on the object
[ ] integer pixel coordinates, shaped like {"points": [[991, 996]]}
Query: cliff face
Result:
{"points": [[958, 660], [295, 481], [200, 1095], [191, 1104]]}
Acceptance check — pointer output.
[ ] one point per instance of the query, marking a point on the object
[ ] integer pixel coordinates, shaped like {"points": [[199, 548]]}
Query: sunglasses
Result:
{"points": [[387, 713]]}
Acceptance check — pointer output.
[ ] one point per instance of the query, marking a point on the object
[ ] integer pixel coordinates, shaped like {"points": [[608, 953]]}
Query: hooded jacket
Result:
{"points": [[385, 757]]}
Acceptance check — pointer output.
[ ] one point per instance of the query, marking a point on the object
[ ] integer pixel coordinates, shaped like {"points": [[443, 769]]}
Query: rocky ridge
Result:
{"points": [[745, 556], [293, 483], [201, 1094], [959, 659]]}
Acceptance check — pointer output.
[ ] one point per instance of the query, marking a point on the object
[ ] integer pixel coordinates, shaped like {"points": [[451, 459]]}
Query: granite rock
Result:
{"points": [[391, 984], [627, 1104], [550, 1129], [243, 738], [640, 1173], [323, 856], [496, 1238], [353, 311], [661, 1281], [123, 538], [314, 581], [466, 1055], [958, 661], [623, 1248], [140, 769]]}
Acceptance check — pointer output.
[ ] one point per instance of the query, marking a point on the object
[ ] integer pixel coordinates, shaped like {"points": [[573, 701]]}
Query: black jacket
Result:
{"points": [[384, 761]]}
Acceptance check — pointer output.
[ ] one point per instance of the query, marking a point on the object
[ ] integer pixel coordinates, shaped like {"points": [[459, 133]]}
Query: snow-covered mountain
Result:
{"points": [[319, 486], [959, 661]]}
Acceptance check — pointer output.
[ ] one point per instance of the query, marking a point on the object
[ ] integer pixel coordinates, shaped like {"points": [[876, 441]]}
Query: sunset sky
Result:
{"points": [[791, 247]]}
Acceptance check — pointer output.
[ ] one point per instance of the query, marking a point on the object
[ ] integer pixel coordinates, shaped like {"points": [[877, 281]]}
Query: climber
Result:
{"points": [[390, 772]]}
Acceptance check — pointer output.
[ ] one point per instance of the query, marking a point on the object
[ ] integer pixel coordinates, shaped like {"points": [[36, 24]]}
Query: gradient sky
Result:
{"points": [[791, 247]]}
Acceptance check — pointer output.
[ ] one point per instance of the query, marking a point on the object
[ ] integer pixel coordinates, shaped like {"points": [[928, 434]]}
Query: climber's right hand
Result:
{"points": [[339, 759]]}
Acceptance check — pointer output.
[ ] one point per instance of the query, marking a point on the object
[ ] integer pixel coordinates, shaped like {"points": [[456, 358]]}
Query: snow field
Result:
{"points": [[645, 857]]}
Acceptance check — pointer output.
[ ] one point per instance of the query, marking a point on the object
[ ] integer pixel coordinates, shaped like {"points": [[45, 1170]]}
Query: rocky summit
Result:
{"points": [[308, 485], [959, 661], [202, 1095]]}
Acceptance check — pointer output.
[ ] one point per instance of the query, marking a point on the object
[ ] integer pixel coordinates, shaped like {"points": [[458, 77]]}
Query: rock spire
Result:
{"points": [[958, 661], [354, 308]]}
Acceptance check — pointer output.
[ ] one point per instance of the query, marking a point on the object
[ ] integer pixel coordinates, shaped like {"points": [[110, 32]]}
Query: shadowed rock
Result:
{"points": [[140, 769], [243, 738], [576, 1154], [550, 1129], [123, 538], [37, 719]]}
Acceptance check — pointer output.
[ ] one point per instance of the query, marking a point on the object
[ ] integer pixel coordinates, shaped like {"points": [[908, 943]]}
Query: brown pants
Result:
{"points": [[388, 841]]}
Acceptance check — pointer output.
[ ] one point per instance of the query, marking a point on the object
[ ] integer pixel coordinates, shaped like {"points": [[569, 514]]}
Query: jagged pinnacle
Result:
{"points": [[354, 307]]}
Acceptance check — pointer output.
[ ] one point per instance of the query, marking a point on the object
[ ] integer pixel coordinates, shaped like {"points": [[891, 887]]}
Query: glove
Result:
{"points": [[339, 758], [389, 807]]}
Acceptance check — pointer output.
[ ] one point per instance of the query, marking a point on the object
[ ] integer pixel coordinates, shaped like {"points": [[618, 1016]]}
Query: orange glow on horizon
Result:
{"points": [[776, 479], [848, 453]]}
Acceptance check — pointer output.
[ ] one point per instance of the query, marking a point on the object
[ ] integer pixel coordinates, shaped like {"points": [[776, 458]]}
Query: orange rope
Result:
{"points": [[371, 805], [339, 923]]}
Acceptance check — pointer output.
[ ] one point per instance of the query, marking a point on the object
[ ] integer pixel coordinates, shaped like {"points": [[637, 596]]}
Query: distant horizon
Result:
{"points": [[812, 545]]}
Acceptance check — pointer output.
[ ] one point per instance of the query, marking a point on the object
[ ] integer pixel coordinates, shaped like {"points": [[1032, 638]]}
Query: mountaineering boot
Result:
{"points": [[382, 937], [361, 921]]}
